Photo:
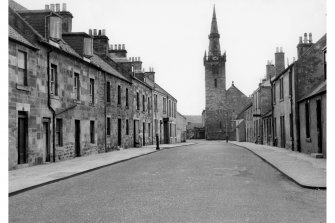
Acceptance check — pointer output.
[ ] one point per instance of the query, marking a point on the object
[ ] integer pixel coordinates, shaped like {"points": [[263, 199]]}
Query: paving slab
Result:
{"points": [[303, 169], [28, 178]]}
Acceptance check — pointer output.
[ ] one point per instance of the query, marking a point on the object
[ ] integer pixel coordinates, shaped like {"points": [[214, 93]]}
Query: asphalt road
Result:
{"points": [[208, 182]]}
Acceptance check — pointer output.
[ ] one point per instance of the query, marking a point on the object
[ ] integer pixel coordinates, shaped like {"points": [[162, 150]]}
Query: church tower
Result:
{"points": [[215, 85]]}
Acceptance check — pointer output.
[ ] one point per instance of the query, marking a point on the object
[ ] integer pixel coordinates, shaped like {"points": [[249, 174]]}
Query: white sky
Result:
{"points": [[171, 36]]}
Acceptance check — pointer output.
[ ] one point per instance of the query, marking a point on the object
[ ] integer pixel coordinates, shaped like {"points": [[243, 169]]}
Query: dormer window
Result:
{"points": [[88, 46], [55, 27]]}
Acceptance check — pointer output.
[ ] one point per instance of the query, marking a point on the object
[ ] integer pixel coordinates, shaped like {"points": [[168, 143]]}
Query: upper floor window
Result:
{"points": [[92, 90], [55, 27], [281, 88], [59, 132], [127, 104], [22, 68], [108, 91], [143, 103], [119, 95], [215, 83], [149, 104], [325, 63], [53, 80], [307, 119], [155, 103], [164, 105], [77, 85], [137, 101], [274, 93]]}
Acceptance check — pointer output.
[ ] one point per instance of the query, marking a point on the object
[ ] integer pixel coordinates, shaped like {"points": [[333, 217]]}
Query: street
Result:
{"points": [[211, 181]]}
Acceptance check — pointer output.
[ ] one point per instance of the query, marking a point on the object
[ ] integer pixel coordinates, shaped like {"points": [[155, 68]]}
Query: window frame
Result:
{"points": [[59, 132], [92, 90], [53, 80], [92, 132], [24, 68]]}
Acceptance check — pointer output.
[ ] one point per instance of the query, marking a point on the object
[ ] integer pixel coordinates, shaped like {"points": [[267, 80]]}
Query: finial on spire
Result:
{"points": [[214, 27], [232, 83]]}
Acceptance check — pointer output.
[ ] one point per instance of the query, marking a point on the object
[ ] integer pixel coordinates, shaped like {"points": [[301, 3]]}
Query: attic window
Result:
{"points": [[55, 27], [88, 46]]}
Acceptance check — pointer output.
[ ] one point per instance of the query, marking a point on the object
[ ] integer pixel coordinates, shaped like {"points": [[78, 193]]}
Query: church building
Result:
{"points": [[222, 105]]}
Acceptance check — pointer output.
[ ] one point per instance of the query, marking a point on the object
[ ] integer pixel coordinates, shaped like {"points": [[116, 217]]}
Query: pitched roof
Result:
{"points": [[161, 90], [16, 6], [233, 87], [318, 90], [13, 34]]}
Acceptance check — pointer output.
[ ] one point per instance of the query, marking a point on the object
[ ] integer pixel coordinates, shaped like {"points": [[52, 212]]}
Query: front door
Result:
{"points": [[166, 132], [22, 137], [143, 133], [77, 137], [46, 139], [135, 132], [319, 125], [119, 132]]}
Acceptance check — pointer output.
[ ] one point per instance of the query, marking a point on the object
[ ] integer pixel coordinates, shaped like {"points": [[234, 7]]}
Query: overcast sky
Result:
{"points": [[172, 35]]}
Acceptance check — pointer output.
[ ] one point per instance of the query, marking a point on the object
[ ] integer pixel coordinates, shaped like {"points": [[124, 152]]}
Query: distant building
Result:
{"points": [[194, 127], [222, 105], [181, 128]]}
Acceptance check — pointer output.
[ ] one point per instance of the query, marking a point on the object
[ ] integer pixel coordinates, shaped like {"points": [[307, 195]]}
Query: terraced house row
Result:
{"points": [[289, 106], [74, 94]]}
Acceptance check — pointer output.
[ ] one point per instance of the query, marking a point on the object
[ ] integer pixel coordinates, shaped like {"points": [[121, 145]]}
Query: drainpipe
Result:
{"points": [[51, 109], [273, 135], [291, 102], [105, 107]]}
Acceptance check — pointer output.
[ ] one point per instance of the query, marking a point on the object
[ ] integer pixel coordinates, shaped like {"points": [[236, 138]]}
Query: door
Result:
{"points": [[143, 133], [46, 139], [119, 132], [319, 125], [166, 132], [22, 137], [77, 138], [135, 132]]}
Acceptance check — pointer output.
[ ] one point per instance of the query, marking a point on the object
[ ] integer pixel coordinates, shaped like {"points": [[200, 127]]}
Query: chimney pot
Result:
{"points": [[47, 7], [64, 6], [305, 37], [310, 38], [111, 46], [132, 59], [119, 47], [57, 7], [90, 32], [94, 32], [277, 49], [281, 49], [123, 46], [103, 32], [99, 33], [139, 58], [52, 7], [300, 39]]}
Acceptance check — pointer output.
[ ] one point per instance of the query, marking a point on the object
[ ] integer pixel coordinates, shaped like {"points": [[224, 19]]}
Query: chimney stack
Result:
{"points": [[305, 45], [100, 42], [47, 7], [270, 70], [279, 60], [90, 32], [94, 32], [52, 7], [57, 7], [123, 46], [103, 32]]}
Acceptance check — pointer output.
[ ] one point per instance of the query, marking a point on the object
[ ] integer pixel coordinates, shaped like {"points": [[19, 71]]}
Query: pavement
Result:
{"points": [[306, 171], [24, 179]]}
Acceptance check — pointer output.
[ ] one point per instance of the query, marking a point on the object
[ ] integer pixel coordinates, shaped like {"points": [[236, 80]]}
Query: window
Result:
{"points": [[215, 83], [108, 91], [22, 68], [275, 127], [127, 104], [290, 82], [164, 105], [325, 63], [143, 103], [307, 119], [274, 93], [92, 131], [169, 108], [282, 131], [156, 126], [53, 80], [148, 104], [92, 90], [108, 126], [137, 101], [119, 95], [127, 127], [281, 88], [55, 27], [77, 86], [149, 129], [155, 103], [59, 132]]}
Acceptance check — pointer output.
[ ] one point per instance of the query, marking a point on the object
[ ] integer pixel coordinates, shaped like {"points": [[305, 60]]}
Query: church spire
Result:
{"points": [[214, 26], [214, 36]]}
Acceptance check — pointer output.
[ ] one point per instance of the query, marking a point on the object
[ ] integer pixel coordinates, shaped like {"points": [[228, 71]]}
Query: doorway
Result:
{"points": [[319, 124], [22, 137], [119, 131], [166, 132], [135, 130], [46, 139], [77, 138], [143, 133]]}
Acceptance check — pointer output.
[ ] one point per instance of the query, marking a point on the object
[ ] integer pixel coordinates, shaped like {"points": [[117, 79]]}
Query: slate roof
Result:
{"points": [[319, 89], [16, 6], [13, 34], [161, 90]]}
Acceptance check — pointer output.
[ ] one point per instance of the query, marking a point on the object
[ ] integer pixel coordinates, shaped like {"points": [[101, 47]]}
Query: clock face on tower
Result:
{"points": [[215, 58]]}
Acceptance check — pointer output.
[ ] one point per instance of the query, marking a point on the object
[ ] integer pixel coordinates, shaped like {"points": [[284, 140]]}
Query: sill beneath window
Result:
{"points": [[23, 87], [91, 104], [108, 103], [119, 106], [76, 101], [52, 96], [308, 140], [282, 99], [290, 96]]}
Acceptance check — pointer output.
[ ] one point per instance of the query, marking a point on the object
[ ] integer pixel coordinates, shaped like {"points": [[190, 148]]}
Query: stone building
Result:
{"points": [[243, 121], [181, 128], [292, 85], [222, 105], [70, 95]]}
